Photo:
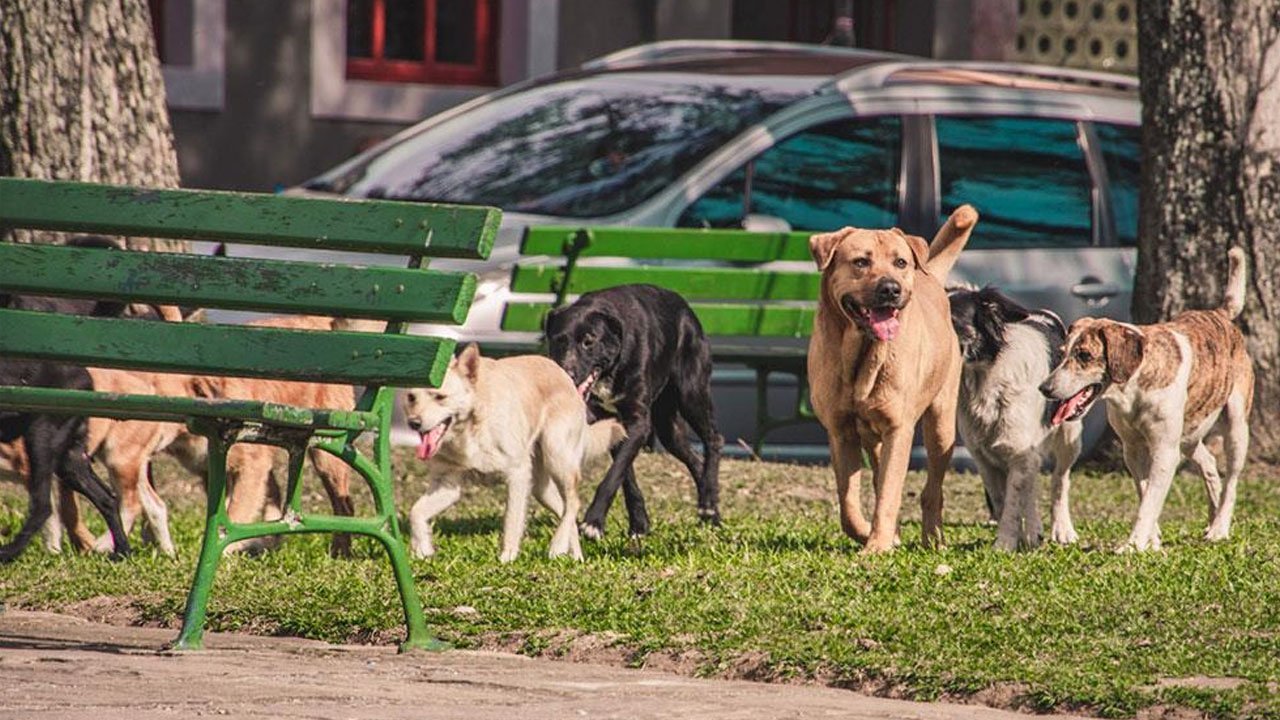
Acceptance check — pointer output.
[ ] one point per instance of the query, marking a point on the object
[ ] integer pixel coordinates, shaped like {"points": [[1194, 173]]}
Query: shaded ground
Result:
{"points": [[57, 666]]}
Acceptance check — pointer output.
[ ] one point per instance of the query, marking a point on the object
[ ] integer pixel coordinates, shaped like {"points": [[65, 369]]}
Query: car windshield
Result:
{"points": [[584, 147]]}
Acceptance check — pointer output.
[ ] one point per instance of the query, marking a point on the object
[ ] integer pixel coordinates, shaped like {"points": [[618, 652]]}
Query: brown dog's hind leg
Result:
{"points": [[336, 478], [939, 443], [72, 521], [846, 460]]}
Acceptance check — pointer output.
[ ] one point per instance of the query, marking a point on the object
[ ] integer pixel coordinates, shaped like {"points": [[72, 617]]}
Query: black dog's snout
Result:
{"points": [[414, 423], [888, 291], [1045, 390]]}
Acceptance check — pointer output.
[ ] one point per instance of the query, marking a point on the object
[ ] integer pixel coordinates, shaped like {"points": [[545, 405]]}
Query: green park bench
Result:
{"points": [[753, 316], [397, 294]]}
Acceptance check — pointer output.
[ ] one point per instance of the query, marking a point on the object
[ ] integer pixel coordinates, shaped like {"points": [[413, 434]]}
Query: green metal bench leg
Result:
{"points": [[192, 635], [417, 637]]}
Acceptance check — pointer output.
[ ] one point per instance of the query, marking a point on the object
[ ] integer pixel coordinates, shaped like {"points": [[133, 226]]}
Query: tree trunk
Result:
{"points": [[82, 98], [1210, 77]]}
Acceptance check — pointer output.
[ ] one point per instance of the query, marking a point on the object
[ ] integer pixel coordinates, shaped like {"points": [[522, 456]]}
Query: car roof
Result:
{"points": [[844, 69]]}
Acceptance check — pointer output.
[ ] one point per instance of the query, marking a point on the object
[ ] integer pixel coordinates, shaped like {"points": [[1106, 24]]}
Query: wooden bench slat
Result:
{"points": [[179, 409], [716, 318], [237, 283], [371, 226], [669, 244], [245, 351], [692, 283]]}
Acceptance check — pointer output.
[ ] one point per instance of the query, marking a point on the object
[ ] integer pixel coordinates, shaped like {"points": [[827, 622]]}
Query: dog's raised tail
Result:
{"points": [[1233, 302], [601, 437], [950, 240]]}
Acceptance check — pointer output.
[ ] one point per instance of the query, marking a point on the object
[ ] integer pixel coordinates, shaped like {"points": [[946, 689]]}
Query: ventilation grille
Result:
{"points": [[1092, 34]]}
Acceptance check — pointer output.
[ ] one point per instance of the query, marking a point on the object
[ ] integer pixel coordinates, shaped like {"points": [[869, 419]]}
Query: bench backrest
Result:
{"points": [[407, 234], [729, 301]]}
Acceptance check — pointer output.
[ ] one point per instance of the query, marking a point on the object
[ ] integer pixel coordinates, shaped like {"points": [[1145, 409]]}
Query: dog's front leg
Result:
{"points": [[846, 457], [891, 472], [441, 493], [519, 487], [1016, 521], [624, 455], [1066, 448], [1146, 532]]}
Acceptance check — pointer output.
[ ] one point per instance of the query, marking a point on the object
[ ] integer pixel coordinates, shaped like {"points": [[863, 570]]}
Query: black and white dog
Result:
{"points": [[1004, 420], [638, 353]]}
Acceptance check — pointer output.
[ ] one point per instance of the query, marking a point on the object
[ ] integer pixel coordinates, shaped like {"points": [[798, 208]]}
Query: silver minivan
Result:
{"points": [[777, 136]]}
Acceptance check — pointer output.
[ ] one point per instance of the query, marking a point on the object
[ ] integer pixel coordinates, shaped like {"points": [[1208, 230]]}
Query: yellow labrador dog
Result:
{"points": [[519, 419], [883, 356]]}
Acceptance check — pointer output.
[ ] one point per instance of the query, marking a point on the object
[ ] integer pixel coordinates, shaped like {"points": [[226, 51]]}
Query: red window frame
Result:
{"points": [[378, 68]]}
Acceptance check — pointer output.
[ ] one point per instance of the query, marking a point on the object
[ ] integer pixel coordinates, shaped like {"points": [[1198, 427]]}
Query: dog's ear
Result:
{"points": [[552, 314], [612, 324], [919, 249], [1124, 346], [1004, 308], [822, 246], [468, 362]]}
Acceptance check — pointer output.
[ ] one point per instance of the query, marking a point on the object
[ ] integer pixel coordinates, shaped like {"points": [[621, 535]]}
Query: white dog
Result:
{"points": [[518, 418], [1006, 423]]}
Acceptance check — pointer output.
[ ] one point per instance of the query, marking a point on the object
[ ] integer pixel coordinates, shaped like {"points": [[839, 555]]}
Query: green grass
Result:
{"points": [[778, 593]]}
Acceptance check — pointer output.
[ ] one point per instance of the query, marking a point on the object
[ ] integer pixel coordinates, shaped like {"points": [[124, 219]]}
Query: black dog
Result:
{"points": [[637, 352], [56, 444]]}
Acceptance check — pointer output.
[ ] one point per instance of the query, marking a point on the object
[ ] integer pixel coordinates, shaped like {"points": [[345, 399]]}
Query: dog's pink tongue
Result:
{"points": [[585, 385], [1067, 408], [429, 444], [884, 323]]}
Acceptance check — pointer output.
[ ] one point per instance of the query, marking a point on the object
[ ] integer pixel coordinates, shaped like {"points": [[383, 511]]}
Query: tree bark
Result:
{"points": [[82, 98], [1210, 85]]}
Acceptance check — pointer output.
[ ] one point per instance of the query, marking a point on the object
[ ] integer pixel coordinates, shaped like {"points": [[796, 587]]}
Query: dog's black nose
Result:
{"points": [[414, 423], [1045, 390], [888, 291]]}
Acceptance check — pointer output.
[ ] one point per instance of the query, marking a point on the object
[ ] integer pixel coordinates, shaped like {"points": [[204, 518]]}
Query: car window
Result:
{"points": [[1122, 152], [835, 174], [1026, 176], [584, 147]]}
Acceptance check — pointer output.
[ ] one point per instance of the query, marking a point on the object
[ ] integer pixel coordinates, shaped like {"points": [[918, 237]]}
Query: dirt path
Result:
{"points": [[57, 666]]}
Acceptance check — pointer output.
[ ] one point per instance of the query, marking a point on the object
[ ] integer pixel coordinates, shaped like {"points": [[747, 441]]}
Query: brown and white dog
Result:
{"points": [[882, 357], [1168, 387]]}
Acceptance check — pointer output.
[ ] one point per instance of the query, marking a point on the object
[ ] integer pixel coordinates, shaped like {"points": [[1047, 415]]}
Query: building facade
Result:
{"points": [[264, 95]]}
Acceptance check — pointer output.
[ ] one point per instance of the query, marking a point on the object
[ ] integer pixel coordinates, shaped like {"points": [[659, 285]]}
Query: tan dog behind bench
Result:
{"points": [[882, 357], [1168, 387], [127, 446]]}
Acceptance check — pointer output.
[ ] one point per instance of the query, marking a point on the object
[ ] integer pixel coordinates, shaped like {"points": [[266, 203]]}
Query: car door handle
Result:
{"points": [[1091, 288]]}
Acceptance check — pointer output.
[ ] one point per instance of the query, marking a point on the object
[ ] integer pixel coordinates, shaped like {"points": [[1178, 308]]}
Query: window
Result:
{"points": [[1026, 176], [836, 174], [583, 147], [444, 42], [1122, 152]]}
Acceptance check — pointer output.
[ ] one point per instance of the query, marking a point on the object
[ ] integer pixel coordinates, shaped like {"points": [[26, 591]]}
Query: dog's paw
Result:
{"points": [[422, 549], [591, 531], [709, 516], [1065, 535], [508, 556], [1006, 543], [104, 544], [1217, 533]]}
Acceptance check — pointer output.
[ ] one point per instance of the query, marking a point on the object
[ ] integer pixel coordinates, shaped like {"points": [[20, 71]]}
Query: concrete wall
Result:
{"points": [[264, 135]]}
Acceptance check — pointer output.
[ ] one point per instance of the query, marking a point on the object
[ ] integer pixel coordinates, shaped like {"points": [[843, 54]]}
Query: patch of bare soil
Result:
{"points": [[110, 610], [1202, 682]]}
